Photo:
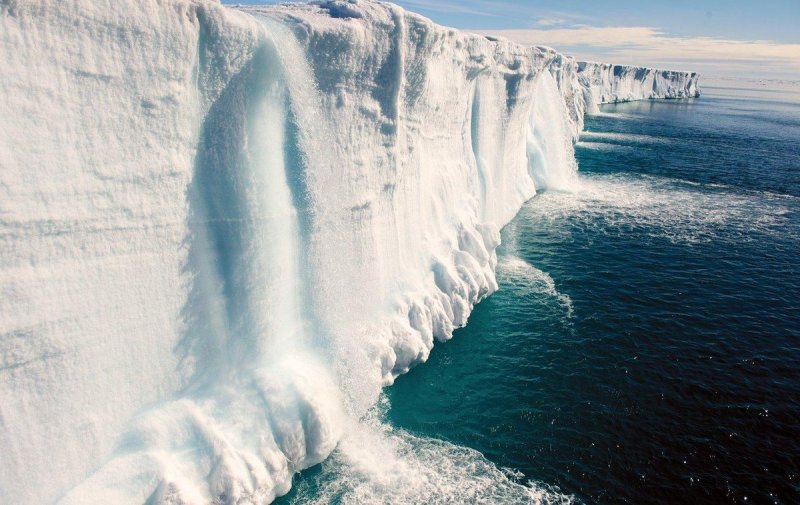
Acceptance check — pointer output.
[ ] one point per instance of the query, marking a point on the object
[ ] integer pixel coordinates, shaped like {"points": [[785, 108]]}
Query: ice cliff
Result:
{"points": [[223, 231], [606, 83]]}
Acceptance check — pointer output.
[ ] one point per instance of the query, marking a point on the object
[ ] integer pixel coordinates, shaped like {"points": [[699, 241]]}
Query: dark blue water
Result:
{"points": [[644, 346]]}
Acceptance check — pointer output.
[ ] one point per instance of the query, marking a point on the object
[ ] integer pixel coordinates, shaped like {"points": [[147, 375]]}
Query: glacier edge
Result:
{"points": [[224, 231]]}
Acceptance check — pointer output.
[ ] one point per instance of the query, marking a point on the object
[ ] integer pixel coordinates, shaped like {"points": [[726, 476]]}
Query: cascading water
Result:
{"points": [[264, 403], [550, 154]]}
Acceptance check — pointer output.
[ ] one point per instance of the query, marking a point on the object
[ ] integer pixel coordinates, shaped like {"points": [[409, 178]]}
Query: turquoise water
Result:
{"points": [[644, 346]]}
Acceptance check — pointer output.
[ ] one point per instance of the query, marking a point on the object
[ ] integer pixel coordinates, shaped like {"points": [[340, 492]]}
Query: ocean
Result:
{"points": [[644, 345]]}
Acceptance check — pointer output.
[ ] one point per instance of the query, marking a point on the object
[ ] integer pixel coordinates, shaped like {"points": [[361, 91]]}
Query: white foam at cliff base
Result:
{"points": [[677, 210], [603, 146], [523, 276], [614, 115], [587, 137], [377, 464]]}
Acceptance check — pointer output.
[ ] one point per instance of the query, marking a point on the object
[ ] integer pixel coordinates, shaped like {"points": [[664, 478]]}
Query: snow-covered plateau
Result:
{"points": [[223, 231]]}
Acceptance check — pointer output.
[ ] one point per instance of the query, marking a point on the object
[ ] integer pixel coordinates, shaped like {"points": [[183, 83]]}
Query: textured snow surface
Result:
{"points": [[222, 232]]}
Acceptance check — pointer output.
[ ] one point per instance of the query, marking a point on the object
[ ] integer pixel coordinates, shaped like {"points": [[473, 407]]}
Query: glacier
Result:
{"points": [[607, 83], [224, 230]]}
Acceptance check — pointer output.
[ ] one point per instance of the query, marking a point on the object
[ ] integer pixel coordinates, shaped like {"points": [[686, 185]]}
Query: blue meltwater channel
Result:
{"points": [[644, 346]]}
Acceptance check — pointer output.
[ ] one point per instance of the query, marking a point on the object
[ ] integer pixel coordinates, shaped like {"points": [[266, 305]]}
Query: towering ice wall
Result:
{"points": [[222, 232], [607, 83]]}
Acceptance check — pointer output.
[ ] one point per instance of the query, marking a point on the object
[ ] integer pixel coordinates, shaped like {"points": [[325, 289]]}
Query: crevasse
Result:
{"points": [[223, 231]]}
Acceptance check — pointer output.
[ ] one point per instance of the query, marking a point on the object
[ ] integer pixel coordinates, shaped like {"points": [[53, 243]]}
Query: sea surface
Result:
{"points": [[644, 346]]}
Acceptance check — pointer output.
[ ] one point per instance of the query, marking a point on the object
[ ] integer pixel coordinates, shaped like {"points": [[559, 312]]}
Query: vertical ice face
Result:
{"points": [[101, 109], [606, 83], [222, 232]]}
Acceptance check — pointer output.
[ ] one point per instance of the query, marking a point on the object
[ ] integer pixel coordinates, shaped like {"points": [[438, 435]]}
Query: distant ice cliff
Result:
{"points": [[606, 83], [223, 231]]}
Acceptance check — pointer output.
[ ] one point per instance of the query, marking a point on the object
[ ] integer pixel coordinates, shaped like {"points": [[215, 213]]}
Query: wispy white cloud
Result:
{"points": [[546, 22], [652, 47], [511, 13], [450, 7]]}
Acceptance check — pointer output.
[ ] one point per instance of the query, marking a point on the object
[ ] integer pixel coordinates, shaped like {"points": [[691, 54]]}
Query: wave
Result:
{"points": [[680, 211], [627, 138], [603, 146], [515, 273], [622, 116]]}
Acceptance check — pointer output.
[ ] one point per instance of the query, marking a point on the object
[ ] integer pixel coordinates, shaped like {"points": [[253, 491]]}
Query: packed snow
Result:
{"points": [[223, 231]]}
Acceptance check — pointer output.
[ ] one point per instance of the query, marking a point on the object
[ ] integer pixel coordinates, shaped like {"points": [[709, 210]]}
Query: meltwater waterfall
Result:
{"points": [[264, 403], [260, 218], [550, 139]]}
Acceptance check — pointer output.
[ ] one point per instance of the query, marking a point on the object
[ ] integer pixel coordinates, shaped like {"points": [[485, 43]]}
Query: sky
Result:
{"points": [[718, 38]]}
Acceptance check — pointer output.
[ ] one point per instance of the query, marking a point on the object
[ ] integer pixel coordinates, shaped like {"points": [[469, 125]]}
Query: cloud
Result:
{"points": [[514, 12], [450, 7], [653, 47], [548, 22]]}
